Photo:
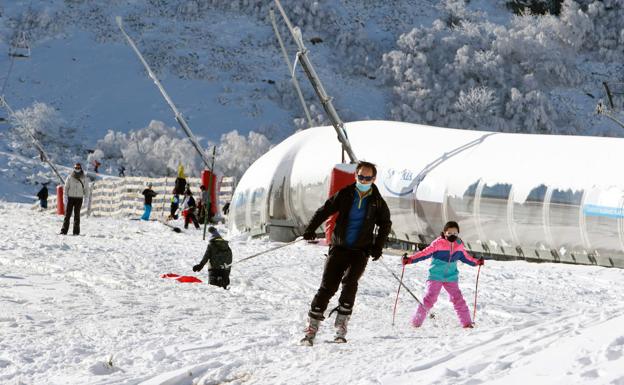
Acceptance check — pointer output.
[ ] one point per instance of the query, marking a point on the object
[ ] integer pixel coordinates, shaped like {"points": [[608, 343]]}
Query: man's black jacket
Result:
{"points": [[377, 213], [149, 194]]}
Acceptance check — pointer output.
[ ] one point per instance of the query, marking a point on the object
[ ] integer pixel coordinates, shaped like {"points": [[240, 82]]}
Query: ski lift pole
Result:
{"points": [[326, 101], [178, 116], [209, 188], [38, 145], [293, 78]]}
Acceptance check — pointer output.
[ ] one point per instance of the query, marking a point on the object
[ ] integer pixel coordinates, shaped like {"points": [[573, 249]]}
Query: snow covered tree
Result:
{"points": [[157, 150], [47, 126], [236, 152], [452, 73]]}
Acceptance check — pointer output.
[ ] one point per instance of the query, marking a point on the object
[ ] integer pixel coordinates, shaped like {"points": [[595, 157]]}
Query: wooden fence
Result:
{"points": [[121, 197]]}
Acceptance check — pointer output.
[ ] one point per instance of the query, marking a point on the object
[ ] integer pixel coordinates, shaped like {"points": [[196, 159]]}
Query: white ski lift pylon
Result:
{"points": [[20, 48]]}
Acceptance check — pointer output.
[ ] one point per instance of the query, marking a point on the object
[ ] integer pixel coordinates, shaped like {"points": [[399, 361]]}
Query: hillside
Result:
{"points": [[471, 65]]}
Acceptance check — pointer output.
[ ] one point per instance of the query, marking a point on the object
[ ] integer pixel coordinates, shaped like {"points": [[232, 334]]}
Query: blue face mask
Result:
{"points": [[363, 187]]}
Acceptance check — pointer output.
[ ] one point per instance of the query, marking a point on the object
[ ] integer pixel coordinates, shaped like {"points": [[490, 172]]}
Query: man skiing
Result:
{"points": [[360, 209], [219, 255], [76, 189]]}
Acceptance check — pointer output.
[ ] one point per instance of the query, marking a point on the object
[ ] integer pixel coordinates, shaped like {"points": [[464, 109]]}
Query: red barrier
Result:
{"points": [[205, 178], [60, 205], [341, 176]]}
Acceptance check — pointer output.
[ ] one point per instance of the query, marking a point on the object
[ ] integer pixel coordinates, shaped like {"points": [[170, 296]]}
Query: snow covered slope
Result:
{"points": [[93, 309]]}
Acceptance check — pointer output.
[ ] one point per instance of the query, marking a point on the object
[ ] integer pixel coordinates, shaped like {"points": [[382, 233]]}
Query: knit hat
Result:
{"points": [[212, 230]]}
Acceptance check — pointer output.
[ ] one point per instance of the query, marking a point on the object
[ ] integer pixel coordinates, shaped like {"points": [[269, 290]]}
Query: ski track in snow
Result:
{"points": [[93, 309]]}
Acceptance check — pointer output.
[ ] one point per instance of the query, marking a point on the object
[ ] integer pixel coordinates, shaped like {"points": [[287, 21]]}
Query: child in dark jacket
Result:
{"points": [[445, 251], [219, 255], [191, 208], [43, 196]]}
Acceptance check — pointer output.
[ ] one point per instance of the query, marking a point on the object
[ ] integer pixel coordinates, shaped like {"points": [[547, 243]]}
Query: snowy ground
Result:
{"points": [[93, 309]]}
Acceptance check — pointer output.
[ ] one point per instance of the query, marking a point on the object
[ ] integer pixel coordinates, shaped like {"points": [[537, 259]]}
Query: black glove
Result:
{"points": [[309, 235], [405, 259], [197, 268], [375, 253]]}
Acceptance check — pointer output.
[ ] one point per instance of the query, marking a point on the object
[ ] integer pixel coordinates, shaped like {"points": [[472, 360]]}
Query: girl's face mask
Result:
{"points": [[451, 235]]}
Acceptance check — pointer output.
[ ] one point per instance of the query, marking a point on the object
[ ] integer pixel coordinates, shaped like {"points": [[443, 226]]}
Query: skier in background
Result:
{"points": [[76, 190], [219, 255], [122, 171], [175, 204], [96, 165], [43, 196], [148, 193], [180, 182], [226, 208], [445, 251], [191, 207]]}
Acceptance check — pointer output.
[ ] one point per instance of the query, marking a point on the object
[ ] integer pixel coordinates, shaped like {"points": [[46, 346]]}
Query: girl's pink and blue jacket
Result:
{"points": [[444, 256]]}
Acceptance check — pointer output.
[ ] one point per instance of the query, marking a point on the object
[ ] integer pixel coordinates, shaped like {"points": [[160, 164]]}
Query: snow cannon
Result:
{"points": [[341, 176], [209, 181], [60, 205]]}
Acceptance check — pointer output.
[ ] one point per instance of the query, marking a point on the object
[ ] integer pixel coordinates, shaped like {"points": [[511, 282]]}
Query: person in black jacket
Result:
{"points": [[219, 256], [360, 209], [43, 196], [148, 193]]}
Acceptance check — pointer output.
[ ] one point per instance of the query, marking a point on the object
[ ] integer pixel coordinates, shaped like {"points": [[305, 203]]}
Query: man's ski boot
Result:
{"points": [[310, 331], [342, 320]]}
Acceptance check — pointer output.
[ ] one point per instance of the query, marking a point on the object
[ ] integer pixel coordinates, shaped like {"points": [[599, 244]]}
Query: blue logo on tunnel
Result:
{"points": [[399, 183]]}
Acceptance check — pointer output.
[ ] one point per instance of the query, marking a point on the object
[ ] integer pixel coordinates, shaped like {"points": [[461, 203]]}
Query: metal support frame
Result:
{"points": [[326, 101], [178, 116], [293, 78]]}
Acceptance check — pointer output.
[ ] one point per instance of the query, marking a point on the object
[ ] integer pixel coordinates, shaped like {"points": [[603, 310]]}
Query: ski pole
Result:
{"points": [[264, 252], [396, 301], [474, 311], [401, 282]]}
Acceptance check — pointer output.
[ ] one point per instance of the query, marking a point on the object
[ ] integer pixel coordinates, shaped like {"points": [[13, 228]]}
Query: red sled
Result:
{"points": [[182, 278]]}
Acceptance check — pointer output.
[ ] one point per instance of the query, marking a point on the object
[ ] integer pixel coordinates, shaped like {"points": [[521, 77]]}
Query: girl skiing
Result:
{"points": [[445, 251]]}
